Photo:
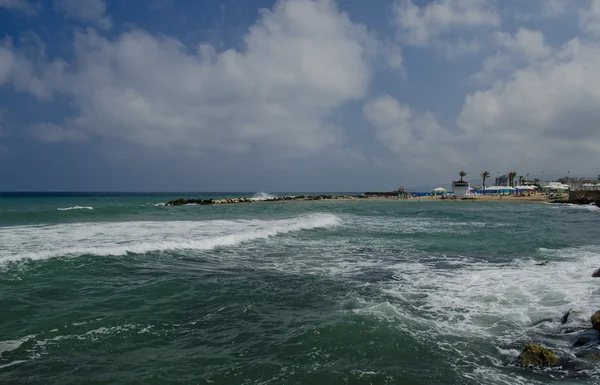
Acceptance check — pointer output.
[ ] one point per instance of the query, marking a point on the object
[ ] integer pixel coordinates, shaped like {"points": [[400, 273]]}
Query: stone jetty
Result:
{"points": [[182, 201], [584, 197]]}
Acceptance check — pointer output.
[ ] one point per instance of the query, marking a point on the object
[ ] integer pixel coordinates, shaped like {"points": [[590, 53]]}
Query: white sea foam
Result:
{"points": [[75, 208], [481, 297], [487, 304], [10, 345], [588, 207], [101, 238], [492, 303], [262, 196]]}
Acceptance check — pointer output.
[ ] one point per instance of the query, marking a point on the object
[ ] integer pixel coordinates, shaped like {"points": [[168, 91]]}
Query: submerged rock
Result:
{"points": [[537, 356], [565, 318], [596, 320], [596, 274]]}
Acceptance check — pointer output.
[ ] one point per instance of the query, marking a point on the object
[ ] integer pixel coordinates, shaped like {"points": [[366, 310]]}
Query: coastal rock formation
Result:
{"points": [[182, 201], [534, 355], [596, 320], [584, 197]]}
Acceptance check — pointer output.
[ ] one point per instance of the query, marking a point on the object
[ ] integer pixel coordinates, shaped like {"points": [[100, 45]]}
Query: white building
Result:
{"points": [[461, 188]]}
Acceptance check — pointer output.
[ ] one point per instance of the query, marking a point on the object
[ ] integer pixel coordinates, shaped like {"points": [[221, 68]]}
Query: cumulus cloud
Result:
{"points": [[301, 61], [525, 47], [422, 26], [410, 135], [589, 18], [89, 11], [541, 112], [38, 77]]}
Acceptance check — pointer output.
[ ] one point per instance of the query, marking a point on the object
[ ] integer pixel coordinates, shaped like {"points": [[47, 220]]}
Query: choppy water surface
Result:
{"points": [[121, 289]]}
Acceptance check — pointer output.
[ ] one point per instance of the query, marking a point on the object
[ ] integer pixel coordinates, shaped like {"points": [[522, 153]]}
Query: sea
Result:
{"points": [[114, 288]]}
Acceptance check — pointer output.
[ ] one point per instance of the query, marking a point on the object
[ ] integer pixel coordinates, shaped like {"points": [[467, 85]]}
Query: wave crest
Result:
{"points": [[114, 239], [75, 208]]}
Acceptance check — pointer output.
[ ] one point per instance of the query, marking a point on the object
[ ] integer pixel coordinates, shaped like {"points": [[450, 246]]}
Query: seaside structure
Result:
{"points": [[461, 188]]}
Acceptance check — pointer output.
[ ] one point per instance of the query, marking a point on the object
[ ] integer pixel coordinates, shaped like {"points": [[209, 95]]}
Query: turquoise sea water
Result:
{"points": [[119, 289]]}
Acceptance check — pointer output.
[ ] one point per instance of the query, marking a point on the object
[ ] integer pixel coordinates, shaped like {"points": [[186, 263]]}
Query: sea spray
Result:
{"points": [[262, 196]]}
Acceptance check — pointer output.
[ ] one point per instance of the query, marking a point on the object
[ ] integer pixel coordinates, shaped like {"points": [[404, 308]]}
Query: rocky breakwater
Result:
{"points": [[584, 197], [192, 201]]}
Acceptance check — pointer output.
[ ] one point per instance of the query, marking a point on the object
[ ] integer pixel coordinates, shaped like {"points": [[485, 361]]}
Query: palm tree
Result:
{"points": [[484, 175], [462, 175], [521, 180], [511, 177]]}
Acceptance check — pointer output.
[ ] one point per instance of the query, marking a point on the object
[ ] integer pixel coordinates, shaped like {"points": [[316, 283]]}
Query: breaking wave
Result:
{"points": [[75, 208], [42, 242]]}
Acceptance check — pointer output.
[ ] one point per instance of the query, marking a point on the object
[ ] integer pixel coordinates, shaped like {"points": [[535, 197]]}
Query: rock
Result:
{"points": [[537, 356], [581, 341], [596, 274], [588, 338], [565, 318], [590, 356], [542, 263], [596, 320]]}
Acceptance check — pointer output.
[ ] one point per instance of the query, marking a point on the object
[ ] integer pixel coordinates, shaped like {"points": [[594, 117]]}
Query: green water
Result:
{"points": [[123, 290]]}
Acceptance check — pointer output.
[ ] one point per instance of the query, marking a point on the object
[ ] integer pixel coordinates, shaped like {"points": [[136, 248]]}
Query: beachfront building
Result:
{"points": [[461, 188]]}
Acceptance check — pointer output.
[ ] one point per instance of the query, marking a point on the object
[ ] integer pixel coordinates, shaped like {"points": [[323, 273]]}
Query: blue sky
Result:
{"points": [[295, 95]]}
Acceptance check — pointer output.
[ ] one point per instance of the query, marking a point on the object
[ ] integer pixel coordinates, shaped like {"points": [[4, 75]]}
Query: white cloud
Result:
{"points": [[92, 11], [301, 61], [589, 19], [411, 136], [525, 47], [541, 114], [422, 26], [554, 8], [543, 10], [39, 79]]}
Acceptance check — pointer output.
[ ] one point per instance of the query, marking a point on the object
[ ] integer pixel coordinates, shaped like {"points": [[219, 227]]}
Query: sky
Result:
{"points": [[295, 95]]}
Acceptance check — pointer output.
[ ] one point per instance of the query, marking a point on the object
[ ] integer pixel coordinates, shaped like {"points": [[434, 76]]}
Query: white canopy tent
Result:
{"points": [[439, 189], [556, 187], [525, 187], [499, 188]]}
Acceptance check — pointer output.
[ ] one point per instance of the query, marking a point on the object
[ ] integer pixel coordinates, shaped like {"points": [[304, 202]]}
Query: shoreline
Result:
{"points": [[302, 198]]}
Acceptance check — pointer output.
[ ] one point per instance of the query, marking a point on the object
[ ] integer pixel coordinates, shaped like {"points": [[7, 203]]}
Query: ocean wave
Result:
{"points": [[75, 208], [472, 300], [492, 304], [115, 239], [588, 207]]}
